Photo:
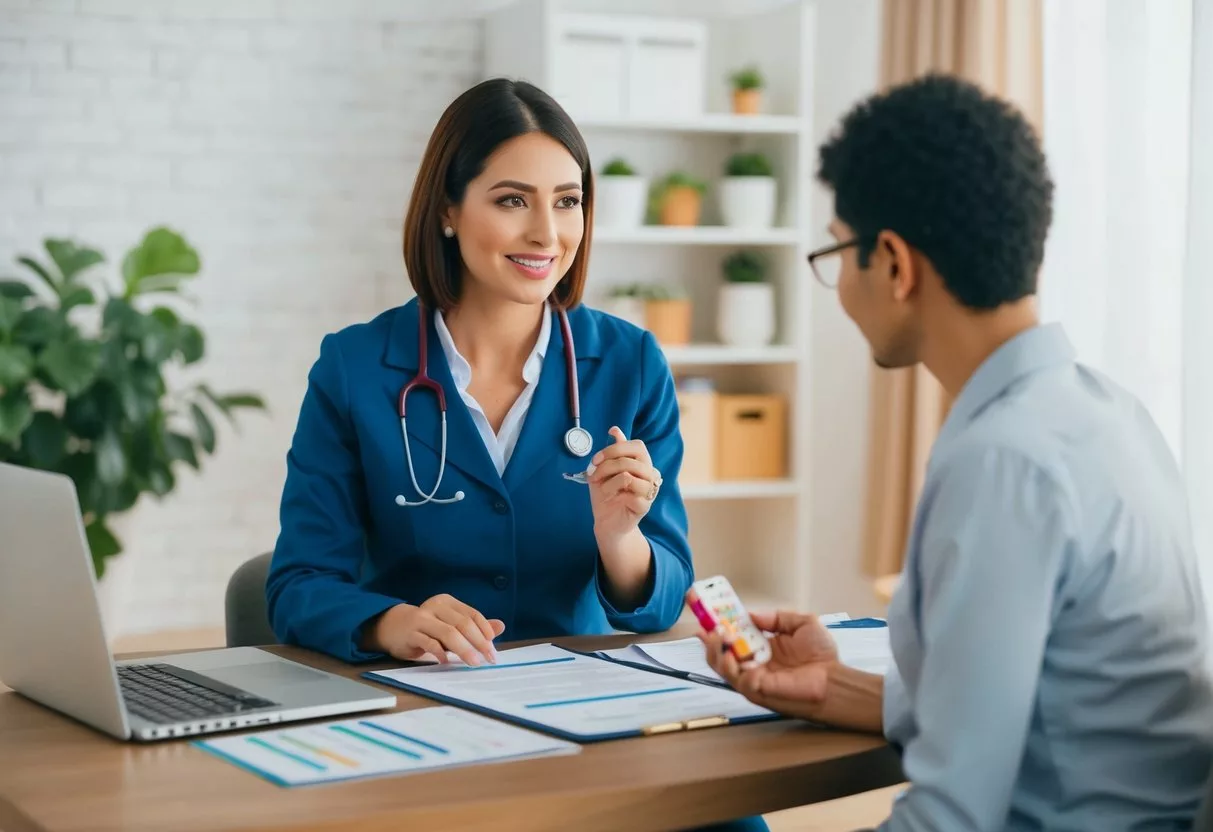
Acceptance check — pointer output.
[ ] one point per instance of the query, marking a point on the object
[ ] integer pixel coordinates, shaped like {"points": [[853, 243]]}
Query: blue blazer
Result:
{"points": [[518, 547]]}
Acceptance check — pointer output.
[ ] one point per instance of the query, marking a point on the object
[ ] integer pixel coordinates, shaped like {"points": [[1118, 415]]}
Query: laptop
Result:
{"points": [[53, 646]]}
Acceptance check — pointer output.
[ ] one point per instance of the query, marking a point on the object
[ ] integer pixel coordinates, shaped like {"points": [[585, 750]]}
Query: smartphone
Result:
{"points": [[716, 606]]}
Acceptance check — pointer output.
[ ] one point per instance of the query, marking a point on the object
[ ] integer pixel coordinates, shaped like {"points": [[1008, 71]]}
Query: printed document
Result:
{"points": [[575, 694], [402, 743], [862, 648]]}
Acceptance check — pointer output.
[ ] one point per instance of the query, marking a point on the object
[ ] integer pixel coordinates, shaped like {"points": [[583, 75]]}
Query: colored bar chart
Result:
{"points": [[413, 741]]}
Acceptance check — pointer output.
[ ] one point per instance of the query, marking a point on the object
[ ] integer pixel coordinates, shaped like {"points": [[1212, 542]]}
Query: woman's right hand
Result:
{"points": [[440, 624]]}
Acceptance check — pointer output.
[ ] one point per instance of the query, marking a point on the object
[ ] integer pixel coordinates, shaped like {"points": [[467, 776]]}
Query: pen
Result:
{"points": [[857, 623]]}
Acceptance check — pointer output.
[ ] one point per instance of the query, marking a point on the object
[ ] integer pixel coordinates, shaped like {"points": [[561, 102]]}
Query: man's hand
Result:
{"points": [[796, 679], [440, 624]]}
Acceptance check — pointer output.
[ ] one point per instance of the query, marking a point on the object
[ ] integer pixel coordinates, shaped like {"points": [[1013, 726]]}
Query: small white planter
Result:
{"points": [[745, 314], [630, 309], [747, 201], [620, 201]]}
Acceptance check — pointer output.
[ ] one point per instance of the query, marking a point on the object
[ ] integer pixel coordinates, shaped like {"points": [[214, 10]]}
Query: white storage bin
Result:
{"points": [[617, 66]]}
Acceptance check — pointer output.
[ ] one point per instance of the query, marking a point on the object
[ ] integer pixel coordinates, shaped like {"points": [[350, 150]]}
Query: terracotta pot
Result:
{"points": [[747, 102], [680, 206], [669, 320]]}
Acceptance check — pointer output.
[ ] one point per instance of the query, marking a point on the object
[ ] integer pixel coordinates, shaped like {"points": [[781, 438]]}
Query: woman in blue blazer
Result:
{"points": [[470, 532], [496, 242]]}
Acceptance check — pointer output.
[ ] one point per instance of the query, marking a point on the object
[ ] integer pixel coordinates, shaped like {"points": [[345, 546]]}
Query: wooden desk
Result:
{"points": [[56, 774]]}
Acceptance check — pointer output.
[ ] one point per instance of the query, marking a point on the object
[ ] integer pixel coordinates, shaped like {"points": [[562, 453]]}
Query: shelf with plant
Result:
{"points": [[82, 377]]}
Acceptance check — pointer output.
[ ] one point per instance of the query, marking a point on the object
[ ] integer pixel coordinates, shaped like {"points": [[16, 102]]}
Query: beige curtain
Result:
{"points": [[997, 44]]}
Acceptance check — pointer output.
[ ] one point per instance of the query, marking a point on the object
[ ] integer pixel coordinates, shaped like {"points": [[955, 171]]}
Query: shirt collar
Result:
{"points": [[1032, 350], [461, 370]]}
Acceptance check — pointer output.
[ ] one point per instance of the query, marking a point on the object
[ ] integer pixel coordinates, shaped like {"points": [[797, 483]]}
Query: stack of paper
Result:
{"points": [[400, 743]]}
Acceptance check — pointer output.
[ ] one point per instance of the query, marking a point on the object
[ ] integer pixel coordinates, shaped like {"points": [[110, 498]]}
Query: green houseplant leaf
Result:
{"points": [[71, 259], [162, 254], [87, 396], [102, 543], [15, 289], [16, 413], [71, 364], [45, 441], [16, 365]]}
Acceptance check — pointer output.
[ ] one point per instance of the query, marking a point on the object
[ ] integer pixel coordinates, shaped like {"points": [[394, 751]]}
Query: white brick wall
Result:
{"points": [[281, 137]]}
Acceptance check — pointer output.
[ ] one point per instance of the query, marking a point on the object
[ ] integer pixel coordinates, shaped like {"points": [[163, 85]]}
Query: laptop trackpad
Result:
{"points": [[251, 669], [270, 673]]}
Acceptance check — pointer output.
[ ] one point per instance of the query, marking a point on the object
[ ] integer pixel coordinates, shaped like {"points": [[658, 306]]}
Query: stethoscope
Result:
{"points": [[576, 439]]}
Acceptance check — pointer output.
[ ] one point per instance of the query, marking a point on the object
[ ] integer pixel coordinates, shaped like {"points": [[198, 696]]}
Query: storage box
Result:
{"points": [[697, 421], [622, 66], [751, 437]]}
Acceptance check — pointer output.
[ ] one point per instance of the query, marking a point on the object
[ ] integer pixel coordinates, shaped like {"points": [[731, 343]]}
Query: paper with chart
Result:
{"points": [[574, 694], [420, 740]]}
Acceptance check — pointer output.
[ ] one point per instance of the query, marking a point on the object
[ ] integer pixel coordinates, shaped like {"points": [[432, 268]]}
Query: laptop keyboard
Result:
{"points": [[163, 694]]}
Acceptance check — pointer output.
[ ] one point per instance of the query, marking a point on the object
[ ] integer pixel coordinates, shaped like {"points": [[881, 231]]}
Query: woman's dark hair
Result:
{"points": [[958, 174], [472, 128]]}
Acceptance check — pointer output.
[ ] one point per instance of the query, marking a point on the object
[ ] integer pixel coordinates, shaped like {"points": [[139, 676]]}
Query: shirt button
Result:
{"points": [[501, 582], [500, 507]]}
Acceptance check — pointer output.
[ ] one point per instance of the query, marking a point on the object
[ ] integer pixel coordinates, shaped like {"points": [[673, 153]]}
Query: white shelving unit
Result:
{"points": [[754, 531]]}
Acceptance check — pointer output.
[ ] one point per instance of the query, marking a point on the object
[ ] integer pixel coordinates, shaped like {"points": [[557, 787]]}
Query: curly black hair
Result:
{"points": [[957, 173]]}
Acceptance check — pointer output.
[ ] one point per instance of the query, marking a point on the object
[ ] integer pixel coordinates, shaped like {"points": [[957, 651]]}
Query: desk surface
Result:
{"points": [[56, 774]]}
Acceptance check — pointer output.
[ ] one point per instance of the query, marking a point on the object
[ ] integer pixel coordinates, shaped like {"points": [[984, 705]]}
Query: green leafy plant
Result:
{"points": [[682, 179], [618, 167], [82, 377], [661, 291], [747, 78], [745, 267], [675, 179], [748, 164], [627, 290]]}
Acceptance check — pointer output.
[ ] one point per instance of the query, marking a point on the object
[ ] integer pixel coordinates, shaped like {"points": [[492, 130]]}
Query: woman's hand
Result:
{"points": [[440, 624], [623, 485]]}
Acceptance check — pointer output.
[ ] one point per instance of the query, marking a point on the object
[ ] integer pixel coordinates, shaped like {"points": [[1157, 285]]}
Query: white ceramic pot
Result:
{"points": [[631, 310], [745, 314], [747, 201], [620, 201]]}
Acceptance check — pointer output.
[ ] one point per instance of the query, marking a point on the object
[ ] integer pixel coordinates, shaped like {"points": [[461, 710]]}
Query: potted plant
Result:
{"points": [[626, 301], [747, 191], [667, 314], [679, 199], [747, 90], [745, 312], [83, 387], [619, 196]]}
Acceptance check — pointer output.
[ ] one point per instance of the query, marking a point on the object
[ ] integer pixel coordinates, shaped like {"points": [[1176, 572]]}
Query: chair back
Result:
{"points": [[246, 613]]}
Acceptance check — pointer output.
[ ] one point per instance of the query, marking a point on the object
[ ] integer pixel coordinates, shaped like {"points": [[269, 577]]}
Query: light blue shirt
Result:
{"points": [[501, 444], [1049, 632]]}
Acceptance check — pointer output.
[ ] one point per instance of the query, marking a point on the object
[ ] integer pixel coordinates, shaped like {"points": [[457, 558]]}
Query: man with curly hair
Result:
{"points": [[1049, 631]]}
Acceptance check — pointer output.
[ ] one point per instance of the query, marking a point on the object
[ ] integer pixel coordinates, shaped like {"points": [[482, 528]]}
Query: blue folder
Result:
{"points": [[706, 721]]}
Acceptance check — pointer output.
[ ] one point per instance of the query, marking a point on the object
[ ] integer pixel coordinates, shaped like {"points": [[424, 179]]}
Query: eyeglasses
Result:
{"points": [[828, 269]]}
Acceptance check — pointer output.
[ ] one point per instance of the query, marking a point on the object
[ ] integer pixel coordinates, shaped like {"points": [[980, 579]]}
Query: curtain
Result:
{"points": [[1128, 95], [997, 44]]}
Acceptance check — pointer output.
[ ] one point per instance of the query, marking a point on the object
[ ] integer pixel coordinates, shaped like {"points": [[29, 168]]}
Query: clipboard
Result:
{"points": [[723, 706]]}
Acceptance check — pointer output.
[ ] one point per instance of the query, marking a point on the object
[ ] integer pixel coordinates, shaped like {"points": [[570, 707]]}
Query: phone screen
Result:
{"points": [[715, 604]]}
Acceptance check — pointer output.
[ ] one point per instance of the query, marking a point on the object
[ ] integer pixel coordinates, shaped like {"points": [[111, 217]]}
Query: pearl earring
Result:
{"points": [[448, 231]]}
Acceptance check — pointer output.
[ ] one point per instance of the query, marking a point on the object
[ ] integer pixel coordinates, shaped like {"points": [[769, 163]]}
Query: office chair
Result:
{"points": [[246, 615]]}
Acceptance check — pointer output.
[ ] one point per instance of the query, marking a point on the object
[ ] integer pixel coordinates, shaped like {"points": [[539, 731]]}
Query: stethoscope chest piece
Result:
{"points": [[578, 441]]}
